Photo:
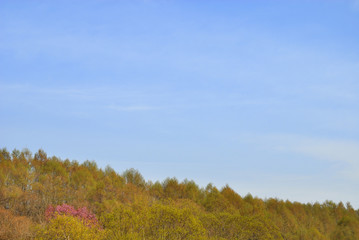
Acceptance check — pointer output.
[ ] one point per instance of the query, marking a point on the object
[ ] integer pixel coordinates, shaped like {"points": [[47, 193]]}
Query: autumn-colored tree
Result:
{"points": [[214, 201], [14, 227], [347, 229], [172, 189], [132, 176], [131, 208]]}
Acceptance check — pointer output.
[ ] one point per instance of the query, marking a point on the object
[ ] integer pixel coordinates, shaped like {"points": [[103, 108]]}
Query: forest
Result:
{"points": [[44, 197]]}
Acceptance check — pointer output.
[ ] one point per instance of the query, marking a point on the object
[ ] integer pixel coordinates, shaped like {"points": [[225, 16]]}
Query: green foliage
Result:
{"points": [[347, 229], [134, 177], [166, 222], [124, 223], [152, 222], [65, 227], [258, 228], [131, 208], [214, 201]]}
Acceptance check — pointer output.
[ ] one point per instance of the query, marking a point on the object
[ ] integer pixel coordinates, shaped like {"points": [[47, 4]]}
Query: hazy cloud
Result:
{"points": [[356, 4], [343, 151], [321, 148], [132, 108]]}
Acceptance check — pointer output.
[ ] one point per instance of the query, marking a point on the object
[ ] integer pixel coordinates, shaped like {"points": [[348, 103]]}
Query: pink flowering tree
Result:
{"points": [[83, 214]]}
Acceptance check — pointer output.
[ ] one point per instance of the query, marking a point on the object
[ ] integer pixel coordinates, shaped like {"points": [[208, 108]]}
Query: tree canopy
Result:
{"points": [[44, 197]]}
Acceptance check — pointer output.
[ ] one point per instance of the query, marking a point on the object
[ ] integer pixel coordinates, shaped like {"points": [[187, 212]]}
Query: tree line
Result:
{"points": [[44, 197]]}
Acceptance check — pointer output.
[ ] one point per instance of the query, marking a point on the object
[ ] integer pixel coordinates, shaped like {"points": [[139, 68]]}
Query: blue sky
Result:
{"points": [[260, 95]]}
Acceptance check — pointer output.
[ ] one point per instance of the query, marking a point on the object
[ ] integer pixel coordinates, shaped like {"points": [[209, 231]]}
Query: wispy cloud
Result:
{"points": [[137, 98], [327, 149], [98, 93], [31, 89], [356, 4], [335, 151], [133, 108], [75, 101], [339, 150]]}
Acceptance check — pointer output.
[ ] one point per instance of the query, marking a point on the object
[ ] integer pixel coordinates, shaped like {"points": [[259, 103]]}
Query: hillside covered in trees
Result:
{"points": [[44, 197]]}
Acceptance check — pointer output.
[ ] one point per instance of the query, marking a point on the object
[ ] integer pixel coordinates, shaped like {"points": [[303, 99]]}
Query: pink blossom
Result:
{"points": [[81, 213]]}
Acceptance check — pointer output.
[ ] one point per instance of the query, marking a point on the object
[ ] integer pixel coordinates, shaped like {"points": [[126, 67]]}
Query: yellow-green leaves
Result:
{"points": [[153, 222], [65, 227]]}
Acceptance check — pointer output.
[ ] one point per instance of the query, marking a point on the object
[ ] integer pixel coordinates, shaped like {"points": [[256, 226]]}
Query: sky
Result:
{"points": [[260, 95]]}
